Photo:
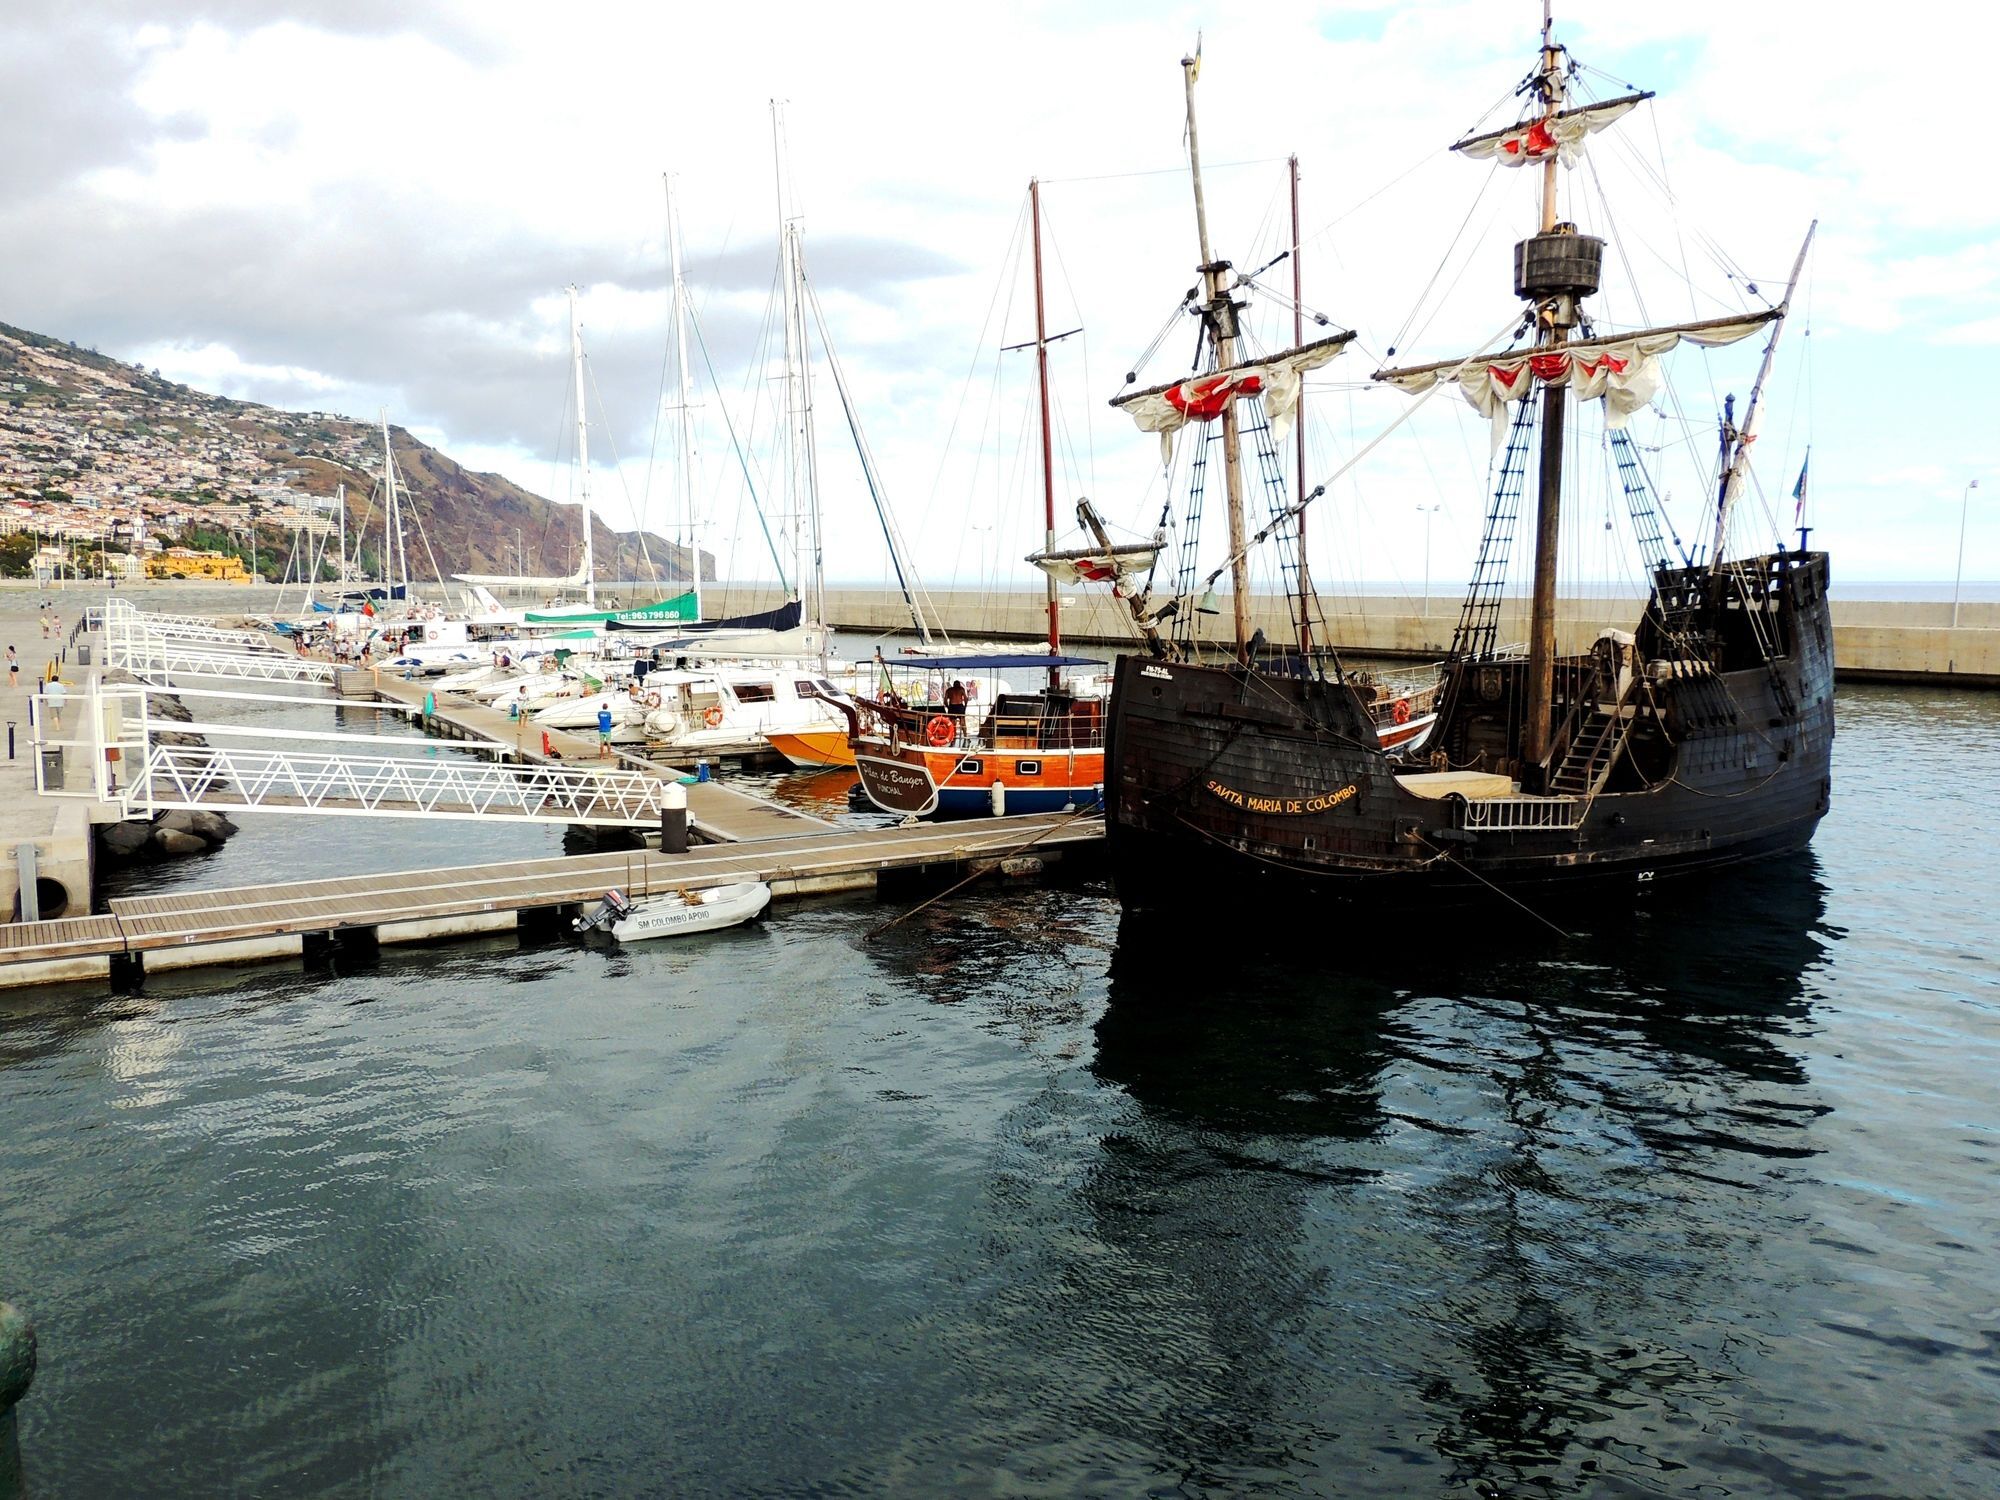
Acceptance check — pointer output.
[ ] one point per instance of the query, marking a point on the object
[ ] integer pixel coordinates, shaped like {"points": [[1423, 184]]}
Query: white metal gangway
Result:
{"points": [[231, 778], [158, 659], [115, 752], [161, 648], [121, 617]]}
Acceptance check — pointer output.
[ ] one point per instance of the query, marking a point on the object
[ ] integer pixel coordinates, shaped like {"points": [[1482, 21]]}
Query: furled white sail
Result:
{"points": [[1099, 565], [1167, 409], [1537, 140], [1623, 371]]}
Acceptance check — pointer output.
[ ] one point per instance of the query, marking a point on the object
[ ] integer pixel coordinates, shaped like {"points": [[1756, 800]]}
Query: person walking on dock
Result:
{"points": [[13, 668], [55, 693], [603, 730]]}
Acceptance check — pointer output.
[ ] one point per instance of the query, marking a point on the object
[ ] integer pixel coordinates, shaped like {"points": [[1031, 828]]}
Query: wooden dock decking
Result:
{"points": [[718, 813], [187, 928]]}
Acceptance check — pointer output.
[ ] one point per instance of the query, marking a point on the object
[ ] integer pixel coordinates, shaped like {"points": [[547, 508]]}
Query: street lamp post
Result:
{"points": [[1428, 511], [1958, 578]]}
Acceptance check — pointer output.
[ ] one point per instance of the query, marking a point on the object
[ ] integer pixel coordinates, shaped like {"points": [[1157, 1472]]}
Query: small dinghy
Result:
{"points": [[675, 913]]}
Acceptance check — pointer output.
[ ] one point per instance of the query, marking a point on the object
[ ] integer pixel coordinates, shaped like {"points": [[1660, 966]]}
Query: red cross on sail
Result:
{"points": [[1203, 400], [1531, 144], [1168, 408], [1538, 140], [1623, 371]]}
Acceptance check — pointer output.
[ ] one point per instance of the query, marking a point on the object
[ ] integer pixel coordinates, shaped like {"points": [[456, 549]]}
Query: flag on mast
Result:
{"points": [[1799, 491]]}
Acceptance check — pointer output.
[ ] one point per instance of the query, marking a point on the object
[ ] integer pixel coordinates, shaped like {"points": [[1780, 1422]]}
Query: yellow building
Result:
{"points": [[185, 562]]}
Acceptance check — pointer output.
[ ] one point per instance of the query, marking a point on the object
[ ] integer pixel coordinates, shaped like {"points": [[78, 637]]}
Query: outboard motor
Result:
{"points": [[614, 907]]}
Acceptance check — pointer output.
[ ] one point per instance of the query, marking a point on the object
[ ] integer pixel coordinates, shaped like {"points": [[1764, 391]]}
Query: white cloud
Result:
{"points": [[381, 203]]}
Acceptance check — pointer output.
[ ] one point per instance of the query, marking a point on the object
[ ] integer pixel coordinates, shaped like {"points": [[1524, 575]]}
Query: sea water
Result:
{"points": [[1696, 1197]]}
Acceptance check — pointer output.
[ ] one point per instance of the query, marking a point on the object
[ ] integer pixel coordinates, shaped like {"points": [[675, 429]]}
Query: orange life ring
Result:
{"points": [[940, 731], [712, 716], [1402, 711]]}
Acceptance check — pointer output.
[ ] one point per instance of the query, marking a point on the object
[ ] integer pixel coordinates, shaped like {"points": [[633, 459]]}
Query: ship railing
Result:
{"points": [[1513, 814]]}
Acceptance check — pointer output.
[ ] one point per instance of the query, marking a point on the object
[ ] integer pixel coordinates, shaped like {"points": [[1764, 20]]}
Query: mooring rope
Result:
{"points": [[875, 932]]}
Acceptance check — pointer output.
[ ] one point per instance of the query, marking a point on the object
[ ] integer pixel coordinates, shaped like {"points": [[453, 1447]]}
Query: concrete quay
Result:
{"points": [[57, 831], [1873, 640]]}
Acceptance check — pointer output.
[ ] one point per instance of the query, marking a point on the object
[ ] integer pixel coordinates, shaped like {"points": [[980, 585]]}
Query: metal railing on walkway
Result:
{"points": [[232, 778]]}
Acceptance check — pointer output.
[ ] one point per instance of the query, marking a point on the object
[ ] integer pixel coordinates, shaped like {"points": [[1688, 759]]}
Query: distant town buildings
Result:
{"points": [[97, 452]]}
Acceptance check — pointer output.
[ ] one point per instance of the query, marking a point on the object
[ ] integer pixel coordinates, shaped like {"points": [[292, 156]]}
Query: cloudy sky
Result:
{"points": [[357, 204]]}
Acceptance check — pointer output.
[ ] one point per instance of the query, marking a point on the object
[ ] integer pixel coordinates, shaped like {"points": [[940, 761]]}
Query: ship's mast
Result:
{"points": [[582, 451], [1220, 313], [1548, 276], [686, 449], [1299, 427], [1739, 461], [1048, 446]]}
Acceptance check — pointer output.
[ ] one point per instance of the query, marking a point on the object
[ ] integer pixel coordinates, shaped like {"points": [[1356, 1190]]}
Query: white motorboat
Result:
{"points": [[675, 913]]}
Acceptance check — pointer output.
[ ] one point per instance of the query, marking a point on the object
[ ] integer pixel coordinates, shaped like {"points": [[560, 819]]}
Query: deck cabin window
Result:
{"points": [[1028, 767], [972, 765], [754, 692]]}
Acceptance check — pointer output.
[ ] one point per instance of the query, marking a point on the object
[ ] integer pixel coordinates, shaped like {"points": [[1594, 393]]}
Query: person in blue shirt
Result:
{"points": [[603, 730]]}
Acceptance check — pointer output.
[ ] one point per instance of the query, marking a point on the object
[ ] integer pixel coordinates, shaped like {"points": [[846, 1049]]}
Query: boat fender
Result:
{"points": [[712, 716], [1401, 713], [939, 730]]}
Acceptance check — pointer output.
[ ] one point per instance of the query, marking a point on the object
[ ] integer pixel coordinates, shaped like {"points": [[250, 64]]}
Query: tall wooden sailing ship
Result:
{"points": [[1700, 739]]}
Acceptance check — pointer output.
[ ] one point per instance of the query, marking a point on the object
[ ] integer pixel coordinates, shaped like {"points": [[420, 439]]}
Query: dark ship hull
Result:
{"points": [[1702, 741]]}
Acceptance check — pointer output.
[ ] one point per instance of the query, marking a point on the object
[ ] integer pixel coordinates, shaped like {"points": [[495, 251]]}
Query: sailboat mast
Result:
{"points": [[788, 281], [1299, 424], [341, 492], [392, 522], [582, 451], [1220, 313], [1048, 446], [1555, 314], [686, 449]]}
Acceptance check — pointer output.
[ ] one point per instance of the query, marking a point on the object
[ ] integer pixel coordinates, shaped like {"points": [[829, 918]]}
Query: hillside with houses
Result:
{"points": [[110, 463]]}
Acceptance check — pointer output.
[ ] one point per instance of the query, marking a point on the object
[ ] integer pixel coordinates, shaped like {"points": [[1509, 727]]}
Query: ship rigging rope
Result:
{"points": [[1166, 328], [1083, 338], [1459, 864], [1403, 333], [736, 445], [1084, 811], [1291, 511], [1009, 272], [1262, 859], [638, 520]]}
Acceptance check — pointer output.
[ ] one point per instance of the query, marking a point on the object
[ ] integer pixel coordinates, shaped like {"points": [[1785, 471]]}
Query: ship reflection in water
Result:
{"points": [[1471, 1201], [1018, 1195]]}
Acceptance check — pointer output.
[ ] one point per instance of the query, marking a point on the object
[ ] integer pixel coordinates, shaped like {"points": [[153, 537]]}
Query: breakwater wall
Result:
{"points": [[1873, 639]]}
